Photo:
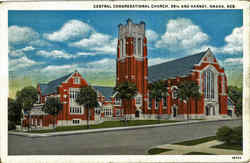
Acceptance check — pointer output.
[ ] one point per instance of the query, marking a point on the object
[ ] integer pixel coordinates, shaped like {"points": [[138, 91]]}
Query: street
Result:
{"points": [[125, 142]]}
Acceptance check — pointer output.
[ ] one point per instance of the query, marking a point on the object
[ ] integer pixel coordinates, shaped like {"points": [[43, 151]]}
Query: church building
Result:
{"points": [[132, 65], [202, 68]]}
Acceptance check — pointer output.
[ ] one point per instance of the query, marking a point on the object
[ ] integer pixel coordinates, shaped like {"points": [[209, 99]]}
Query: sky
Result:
{"points": [[44, 45]]}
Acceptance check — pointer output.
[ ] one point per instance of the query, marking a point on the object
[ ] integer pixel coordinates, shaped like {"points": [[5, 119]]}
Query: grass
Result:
{"points": [[106, 124], [196, 141], [154, 151], [229, 146], [198, 153]]}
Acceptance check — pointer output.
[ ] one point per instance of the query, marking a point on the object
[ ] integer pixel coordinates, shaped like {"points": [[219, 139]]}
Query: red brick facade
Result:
{"points": [[133, 67]]}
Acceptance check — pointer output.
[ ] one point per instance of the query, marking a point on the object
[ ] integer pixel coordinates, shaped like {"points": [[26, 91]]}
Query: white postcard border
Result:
{"points": [[66, 5]]}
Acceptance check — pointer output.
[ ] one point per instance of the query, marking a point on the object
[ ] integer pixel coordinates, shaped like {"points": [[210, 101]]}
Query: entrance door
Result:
{"points": [[137, 114], [207, 111], [210, 110], [175, 112]]}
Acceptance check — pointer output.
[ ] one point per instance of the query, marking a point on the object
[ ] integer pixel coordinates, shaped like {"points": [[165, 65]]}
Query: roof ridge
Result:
{"points": [[61, 77], [178, 67], [189, 56]]}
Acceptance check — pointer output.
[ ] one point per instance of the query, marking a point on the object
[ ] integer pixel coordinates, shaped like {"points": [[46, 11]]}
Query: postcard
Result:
{"points": [[124, 81]]}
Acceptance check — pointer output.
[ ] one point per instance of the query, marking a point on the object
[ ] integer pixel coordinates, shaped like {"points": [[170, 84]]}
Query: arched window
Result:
{"points": [[208, 84], [135, 46], [124, 47], [140, 47], [121, 48]]}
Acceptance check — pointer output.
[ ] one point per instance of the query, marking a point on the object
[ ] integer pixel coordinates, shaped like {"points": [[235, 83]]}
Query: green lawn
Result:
{"points": [[196, 141], [198, 153], [229, 146], [106, 124], [154, 151]]}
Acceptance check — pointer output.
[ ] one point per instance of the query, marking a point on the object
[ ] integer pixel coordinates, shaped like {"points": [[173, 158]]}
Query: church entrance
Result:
{"points": [[174, 111], [210, 110]]}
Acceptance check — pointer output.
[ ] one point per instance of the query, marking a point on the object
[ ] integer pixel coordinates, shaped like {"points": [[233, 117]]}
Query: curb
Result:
{"points": [[112, 129]]}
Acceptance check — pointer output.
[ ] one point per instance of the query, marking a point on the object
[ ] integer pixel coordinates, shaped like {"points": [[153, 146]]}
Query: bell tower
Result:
{"points": [[132, 63]]}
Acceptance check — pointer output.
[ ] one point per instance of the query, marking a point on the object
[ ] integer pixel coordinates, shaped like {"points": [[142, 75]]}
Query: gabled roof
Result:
{"points": [[51, 87], [107, 92], [179, 67]]}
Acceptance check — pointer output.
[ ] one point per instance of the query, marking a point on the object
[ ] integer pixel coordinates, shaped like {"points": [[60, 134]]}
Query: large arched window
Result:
{"points": [[135, 46], [208, 84], [121, 48], [140, 47]]}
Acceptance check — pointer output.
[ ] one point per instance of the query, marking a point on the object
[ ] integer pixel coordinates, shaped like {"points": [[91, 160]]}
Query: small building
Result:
{"points": [[66, 89]]}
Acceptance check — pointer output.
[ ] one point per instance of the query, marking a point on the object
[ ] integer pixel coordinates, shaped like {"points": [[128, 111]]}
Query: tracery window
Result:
{"points": [[208, 84], [135, 46], [140, 47], [121, 47]]}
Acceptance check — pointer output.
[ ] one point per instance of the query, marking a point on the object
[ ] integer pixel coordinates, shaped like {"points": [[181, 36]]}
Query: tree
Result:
{"points": [[25, 99], [14, 112], [126, 91], [53, 106], [157, 91], [188, 90], [235, 94], [88, 98]]}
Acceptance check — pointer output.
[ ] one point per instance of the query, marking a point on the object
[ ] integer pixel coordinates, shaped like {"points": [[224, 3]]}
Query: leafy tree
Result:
{"points": [[26, 98], [188, 90], [53, 106], [157, 91], [235, 94], [126, 91], [88, 98], [14, 111]]}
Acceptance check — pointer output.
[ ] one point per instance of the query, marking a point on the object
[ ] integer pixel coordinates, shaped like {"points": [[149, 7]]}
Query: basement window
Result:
{"points": [[76, 121]]}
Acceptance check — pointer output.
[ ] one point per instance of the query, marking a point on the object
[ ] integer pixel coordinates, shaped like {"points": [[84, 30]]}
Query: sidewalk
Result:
{"points": [[110, 129], [203, 147]]}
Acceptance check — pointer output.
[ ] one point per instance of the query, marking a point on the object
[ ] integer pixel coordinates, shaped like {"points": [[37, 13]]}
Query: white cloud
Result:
{"points": [[55, 68], [234, 42], [86, 54], [19, 52], [22, 62], [70, 30], [151, 35], [40, 43], [103, 65], [54, 54], [234, 61], [97, 42], [181, 34], [28, 48], [21, 35], [105, 61], [155, 61]]}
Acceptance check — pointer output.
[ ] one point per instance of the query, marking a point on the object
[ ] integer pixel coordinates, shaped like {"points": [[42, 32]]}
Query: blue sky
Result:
{"points": [[44, 45]]}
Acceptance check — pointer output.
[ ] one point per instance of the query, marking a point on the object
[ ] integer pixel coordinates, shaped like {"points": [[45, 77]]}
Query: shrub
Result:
{"points": [[236, 136], [224, 134], [230, 135], [11, 125]]}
